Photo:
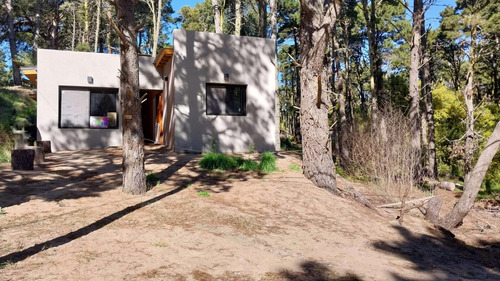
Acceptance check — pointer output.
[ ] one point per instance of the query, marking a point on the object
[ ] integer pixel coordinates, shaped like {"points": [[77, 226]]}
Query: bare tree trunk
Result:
{"points": [[73, 37], [156, 14], [53, 29], [432, 171], [217, 21], [85, 37], [316, 23], [262, 18], [98, 23], [297, 131], [237, 23], [36, 32], [134, 178], [158, 28], [108, 31], [277, 112], [376, 78], [472, 185], [341, 92], [468, 94], [414, 89], [12, 42]]}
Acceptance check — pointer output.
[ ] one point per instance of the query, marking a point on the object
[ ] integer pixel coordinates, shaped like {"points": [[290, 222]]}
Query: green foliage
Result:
{"points": [[249, 165], [295, 167], [152, 180], [251, 147], [213, 145], [268, 163], [203, 193], [17, 111], [288, 144], [5, 75], [218, 161], [82, 47]]}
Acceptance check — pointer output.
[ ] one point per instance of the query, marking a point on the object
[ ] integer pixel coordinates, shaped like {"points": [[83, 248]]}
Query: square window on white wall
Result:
{"points": [[74, 109]]}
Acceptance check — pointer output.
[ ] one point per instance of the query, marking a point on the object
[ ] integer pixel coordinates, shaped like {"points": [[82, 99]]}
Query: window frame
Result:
{"points": [[227, 86], [91, 91]]}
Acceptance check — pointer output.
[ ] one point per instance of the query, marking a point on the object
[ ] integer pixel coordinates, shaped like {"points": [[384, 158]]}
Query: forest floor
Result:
{"points": [[69, 220]]}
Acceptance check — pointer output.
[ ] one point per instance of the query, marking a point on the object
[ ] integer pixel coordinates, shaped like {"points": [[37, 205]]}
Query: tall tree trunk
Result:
{"points": [[316, 23], [85, 37], [217, 21], [134, 178], [472, 185], [108, 32], [73, 36], [11, 33], [262, 18], [376, 77], [468, 94], [414, 89], [53, 28], [237, 21], [298, 94], [277, 112], [341, 92], [36, 32], [98, 23], [432, 171], [156, 37]]}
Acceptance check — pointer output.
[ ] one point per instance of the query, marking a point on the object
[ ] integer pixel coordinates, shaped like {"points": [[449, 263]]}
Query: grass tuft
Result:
{"points": [[295, 167], [268, 163], [249, 165], [214, 161], [204, 193]]}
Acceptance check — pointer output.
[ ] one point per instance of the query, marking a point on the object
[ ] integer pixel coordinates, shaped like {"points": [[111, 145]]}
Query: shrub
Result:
{"points": [[386, 160], [268, 163], [212, 161], [249, 165]]}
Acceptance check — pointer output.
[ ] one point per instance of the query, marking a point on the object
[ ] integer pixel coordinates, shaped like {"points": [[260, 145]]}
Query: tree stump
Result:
{"points": [[39, 154], [22, 159], [45, 145]]}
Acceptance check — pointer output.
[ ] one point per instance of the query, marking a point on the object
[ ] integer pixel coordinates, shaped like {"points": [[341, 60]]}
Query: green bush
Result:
{"points": [[212, 161], [268, 163], [249, 165]]}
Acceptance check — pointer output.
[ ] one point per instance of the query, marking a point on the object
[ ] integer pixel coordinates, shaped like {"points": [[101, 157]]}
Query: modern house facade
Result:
{"points": [[208, 89]]}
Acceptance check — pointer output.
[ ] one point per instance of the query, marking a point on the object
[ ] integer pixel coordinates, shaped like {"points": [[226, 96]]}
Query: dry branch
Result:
{"points": [[399, 204]]}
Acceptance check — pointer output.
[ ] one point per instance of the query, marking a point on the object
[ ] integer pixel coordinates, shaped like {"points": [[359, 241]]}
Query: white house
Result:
{"points": [[208, 87]]}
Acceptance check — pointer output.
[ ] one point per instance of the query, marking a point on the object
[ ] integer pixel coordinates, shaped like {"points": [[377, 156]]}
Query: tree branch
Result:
{"points": [[115, 28]]}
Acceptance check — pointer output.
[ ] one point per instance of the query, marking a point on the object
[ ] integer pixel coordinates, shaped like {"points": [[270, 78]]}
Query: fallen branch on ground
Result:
{"points": [[399, 204]]}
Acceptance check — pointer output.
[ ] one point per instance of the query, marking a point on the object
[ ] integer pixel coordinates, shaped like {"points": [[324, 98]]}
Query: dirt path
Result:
{"points": [[68, 220]]}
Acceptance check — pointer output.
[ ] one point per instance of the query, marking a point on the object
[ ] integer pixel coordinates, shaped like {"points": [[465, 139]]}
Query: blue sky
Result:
{"points": [[432, 15]]}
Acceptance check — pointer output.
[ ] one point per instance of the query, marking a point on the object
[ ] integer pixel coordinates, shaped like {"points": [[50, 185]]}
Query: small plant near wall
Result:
{"points": [[251, 148], [219, 161], [213, 145], [268, 163]]}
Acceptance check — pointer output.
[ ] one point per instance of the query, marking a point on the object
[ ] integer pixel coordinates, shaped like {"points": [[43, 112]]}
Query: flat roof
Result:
{"points": [[30, 72], [163, 57]]}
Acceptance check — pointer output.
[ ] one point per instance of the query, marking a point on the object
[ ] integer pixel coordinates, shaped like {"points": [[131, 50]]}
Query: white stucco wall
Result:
{"points": [[201, 58], [57, 69]]}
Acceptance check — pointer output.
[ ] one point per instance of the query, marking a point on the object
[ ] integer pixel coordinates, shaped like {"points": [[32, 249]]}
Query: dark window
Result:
{"points": [[225, 99], [88, 108]]}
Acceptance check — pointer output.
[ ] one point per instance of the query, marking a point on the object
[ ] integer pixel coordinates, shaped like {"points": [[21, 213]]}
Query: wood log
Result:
{"points": [[22, 159], [45, 145], [39, 154]]}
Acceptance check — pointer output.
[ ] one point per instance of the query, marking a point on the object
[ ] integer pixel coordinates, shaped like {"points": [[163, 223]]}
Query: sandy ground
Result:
{"points": [[68, 220]]}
